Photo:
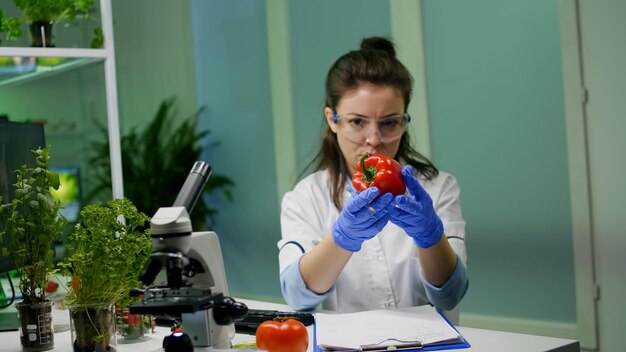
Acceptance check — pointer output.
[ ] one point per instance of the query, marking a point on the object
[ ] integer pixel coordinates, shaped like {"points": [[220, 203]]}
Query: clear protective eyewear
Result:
{"points": [[359, 129]]}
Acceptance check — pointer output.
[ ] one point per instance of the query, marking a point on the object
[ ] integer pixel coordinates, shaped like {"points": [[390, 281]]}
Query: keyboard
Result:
{"points": [[249, 323]]}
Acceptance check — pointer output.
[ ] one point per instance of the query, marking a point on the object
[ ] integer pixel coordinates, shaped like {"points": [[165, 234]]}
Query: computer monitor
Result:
{"points": [[17, 140]]}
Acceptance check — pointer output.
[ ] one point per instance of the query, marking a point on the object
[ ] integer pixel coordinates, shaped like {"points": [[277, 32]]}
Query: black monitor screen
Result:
{"points": [[17, 140]]}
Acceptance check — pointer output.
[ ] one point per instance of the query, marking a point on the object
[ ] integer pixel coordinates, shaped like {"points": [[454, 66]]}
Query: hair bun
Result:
{"points": [[378, 43]]}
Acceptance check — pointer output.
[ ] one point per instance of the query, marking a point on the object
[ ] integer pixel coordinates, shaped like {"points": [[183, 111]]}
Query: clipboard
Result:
{"points": [[401, 344]]}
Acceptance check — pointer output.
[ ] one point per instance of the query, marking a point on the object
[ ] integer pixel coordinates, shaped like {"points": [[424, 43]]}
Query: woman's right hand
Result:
{"points": [[414, 213], [362, 218]]}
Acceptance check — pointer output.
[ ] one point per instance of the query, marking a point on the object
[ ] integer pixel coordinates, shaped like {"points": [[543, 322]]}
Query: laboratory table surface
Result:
{"points": [[480, 340]]}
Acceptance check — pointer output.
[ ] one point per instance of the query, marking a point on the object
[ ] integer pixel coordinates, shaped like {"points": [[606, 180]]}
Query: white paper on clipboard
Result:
{"points": [[353, 330]]}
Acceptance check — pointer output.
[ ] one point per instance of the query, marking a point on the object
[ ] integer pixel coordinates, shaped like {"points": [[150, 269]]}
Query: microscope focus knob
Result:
{"points": [[228, 310]]}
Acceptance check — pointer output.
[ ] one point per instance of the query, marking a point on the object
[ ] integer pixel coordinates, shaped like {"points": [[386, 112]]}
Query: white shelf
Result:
{"points": [[34, 71], [54, 52]]}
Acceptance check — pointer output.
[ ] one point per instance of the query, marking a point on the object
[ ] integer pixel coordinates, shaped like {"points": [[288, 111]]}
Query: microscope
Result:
{"points": [[196, 288]]}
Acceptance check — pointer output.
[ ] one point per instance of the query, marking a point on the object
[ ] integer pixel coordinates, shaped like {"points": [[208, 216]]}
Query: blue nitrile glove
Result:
{"points": [[415, 214], [362, 218]]}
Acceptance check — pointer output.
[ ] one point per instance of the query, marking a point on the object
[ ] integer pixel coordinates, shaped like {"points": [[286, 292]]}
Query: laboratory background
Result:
{"points": [[523, 101]]}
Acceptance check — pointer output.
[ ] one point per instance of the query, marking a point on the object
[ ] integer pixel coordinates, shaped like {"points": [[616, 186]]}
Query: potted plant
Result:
{"points": [[32, 223], [108, 250], [41, 15], [155, 163]]}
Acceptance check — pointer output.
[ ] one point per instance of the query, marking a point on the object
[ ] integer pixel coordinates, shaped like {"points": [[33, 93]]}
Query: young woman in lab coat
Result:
{"points": [[356, 251]]}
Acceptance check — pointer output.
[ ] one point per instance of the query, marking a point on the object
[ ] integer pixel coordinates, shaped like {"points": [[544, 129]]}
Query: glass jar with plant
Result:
{"points": [[32, 223], [108, 250]]}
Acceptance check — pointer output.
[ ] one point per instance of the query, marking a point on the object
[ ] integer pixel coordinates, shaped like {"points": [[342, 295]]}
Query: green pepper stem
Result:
{"points": [[367, 173]]}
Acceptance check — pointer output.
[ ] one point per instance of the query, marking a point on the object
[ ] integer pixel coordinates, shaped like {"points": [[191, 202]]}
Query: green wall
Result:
{"points": [[154, 58]]}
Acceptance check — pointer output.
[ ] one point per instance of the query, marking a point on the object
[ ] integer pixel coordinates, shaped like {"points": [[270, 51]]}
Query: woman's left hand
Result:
{"points": [[414, 213]]}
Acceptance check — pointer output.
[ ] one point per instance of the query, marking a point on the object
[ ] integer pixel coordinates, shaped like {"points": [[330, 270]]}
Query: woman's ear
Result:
{"points": [[328, 112]]}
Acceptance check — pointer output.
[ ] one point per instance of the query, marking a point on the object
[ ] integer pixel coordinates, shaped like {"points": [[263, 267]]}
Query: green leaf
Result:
{"points": [[20, 193], [53, 179], [98, 39]]}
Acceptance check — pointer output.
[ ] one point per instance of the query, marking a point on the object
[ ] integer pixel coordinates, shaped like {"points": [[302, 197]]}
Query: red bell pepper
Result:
{"points": [[381, 171]]}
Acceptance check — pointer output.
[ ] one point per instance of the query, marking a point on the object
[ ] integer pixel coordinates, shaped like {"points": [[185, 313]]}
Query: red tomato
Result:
{"points": [[51, 287], [134, 319], [282, 336]]}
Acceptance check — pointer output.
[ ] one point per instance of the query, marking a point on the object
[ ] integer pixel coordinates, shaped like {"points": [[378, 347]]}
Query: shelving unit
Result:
{"points": [[79, 58]]}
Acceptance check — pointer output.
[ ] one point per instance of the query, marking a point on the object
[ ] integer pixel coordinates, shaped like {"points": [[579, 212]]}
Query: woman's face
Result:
{"points": [[370, 103]]}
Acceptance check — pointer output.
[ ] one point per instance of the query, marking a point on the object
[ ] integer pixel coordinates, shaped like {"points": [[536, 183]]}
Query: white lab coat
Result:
{"points": [[385, 273]]}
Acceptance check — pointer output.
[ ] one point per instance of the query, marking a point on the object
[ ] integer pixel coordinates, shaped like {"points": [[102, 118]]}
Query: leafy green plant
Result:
{"points": [[107, 253], [10, 26], [108, 249], [53, 10], [156, 162], [32, 223]]}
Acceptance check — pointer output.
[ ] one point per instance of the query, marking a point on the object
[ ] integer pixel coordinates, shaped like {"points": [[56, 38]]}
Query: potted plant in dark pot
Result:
{"points": [[108, 249], [41, 15], [32, 223]]}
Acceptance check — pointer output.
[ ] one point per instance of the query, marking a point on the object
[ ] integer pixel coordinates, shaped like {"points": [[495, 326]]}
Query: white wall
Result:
{"points": [[603, 28]]}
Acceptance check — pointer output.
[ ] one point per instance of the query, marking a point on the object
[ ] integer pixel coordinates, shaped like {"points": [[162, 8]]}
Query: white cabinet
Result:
{"points": [[73, 59]]}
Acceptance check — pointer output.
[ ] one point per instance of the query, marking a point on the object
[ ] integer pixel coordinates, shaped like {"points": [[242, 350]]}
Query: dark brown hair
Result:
{"points": [[374, 63]]}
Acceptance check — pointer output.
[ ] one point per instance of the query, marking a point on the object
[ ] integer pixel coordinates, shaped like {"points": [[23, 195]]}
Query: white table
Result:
{"points": [[480, 340], [492, 341]]}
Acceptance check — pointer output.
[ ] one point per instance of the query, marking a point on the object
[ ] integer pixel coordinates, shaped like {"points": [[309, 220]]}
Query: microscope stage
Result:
{"points": [[174, 304]]}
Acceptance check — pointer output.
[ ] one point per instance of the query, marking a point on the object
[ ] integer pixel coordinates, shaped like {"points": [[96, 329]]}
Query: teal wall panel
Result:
{"points": [[321, 31], [232, 81], [497, 123]]}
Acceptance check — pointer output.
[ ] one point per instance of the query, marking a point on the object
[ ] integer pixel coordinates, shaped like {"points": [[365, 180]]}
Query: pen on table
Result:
{"points": [[392, 347]]}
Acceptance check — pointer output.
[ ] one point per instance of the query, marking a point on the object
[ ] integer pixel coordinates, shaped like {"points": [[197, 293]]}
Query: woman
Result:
{"points": [[361, 251]]}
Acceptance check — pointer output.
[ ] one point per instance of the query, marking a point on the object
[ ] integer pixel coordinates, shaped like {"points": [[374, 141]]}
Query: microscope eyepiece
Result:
{"points": [[193, 186]]}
